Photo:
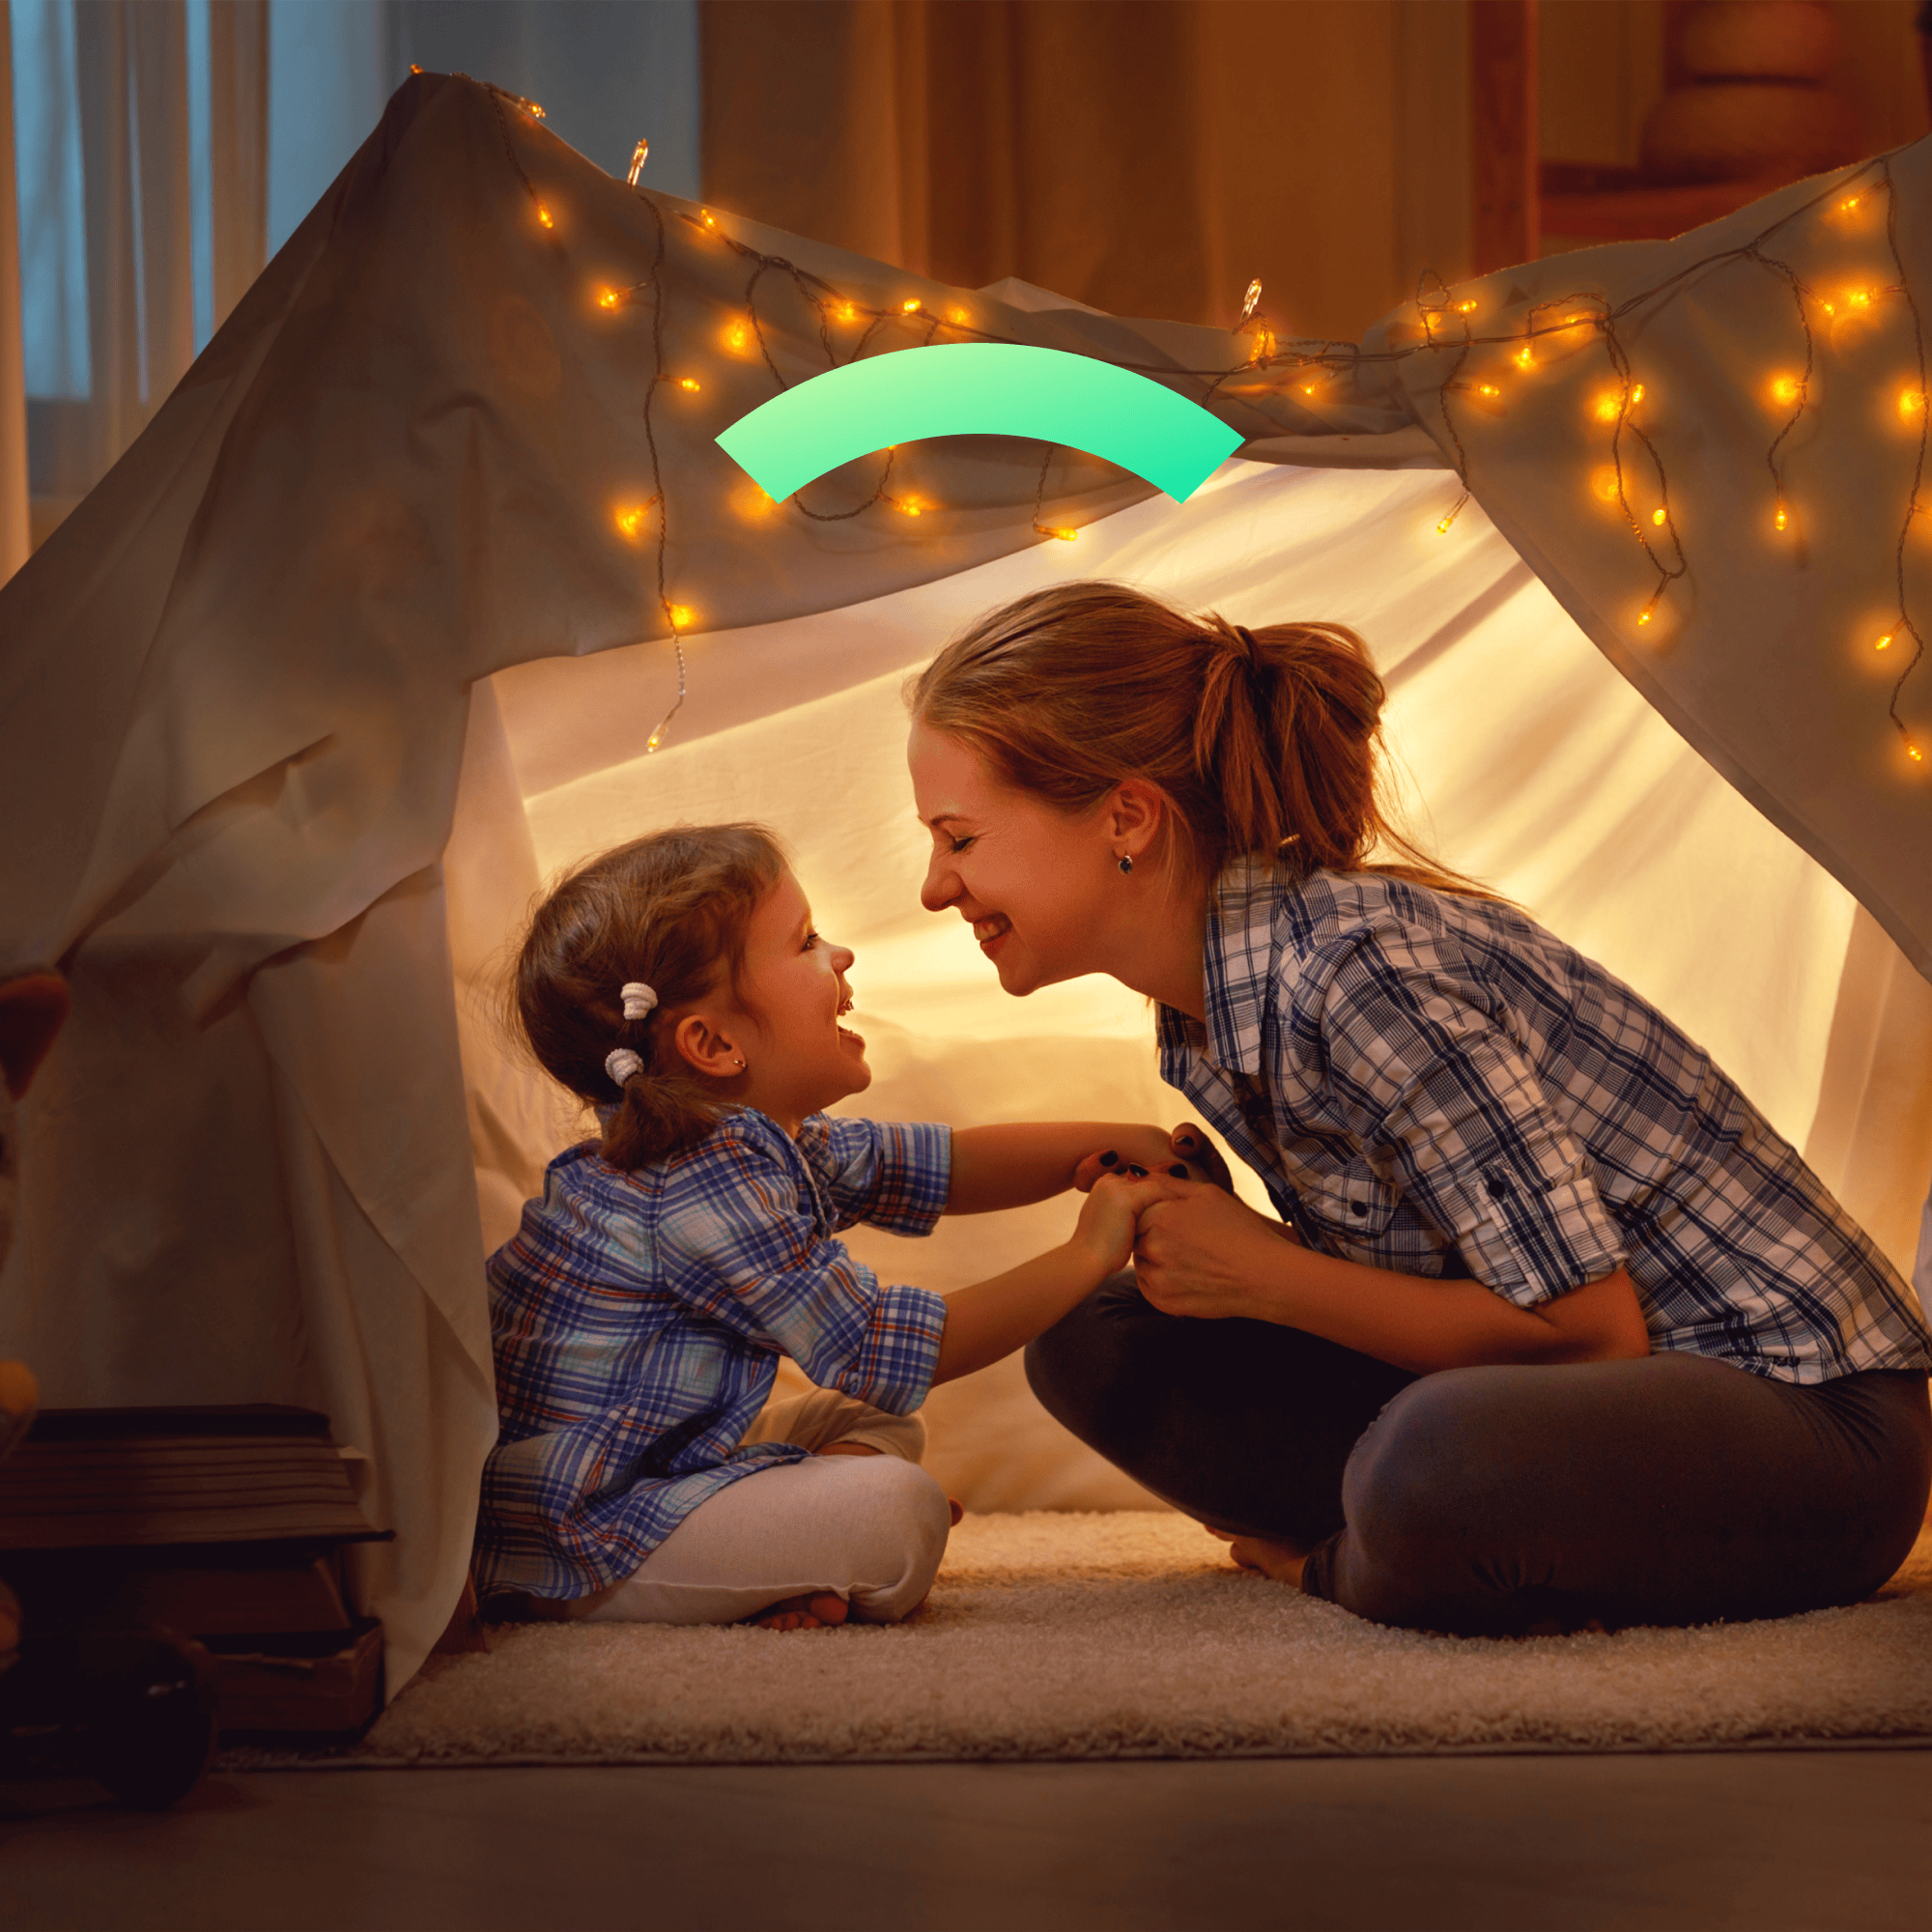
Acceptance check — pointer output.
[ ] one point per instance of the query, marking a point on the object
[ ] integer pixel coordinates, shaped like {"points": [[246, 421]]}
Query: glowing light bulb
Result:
{"points": [[1637, 394], [710, 220], [1443, 528], [1778, 522], [1919, 756], [1610, 408], [1657, 516], [543, 215], [911, 506], [1859, 297], [910, 306], [1064, 535], [1250, 300], [533, 108], [608, 299], [1308, 388], [682, 616], [1643, 616], [690, 384], [847, 312], [1911, 402], [1784, 390], [1522, 358], [1465, 307], [639, 154], [1488, 389], [737, 336], [1884, 643], [1850, 202], [958, 318]]}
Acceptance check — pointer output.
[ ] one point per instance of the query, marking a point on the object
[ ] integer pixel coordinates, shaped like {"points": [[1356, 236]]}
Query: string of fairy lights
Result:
{"points": [[1479, 370]]}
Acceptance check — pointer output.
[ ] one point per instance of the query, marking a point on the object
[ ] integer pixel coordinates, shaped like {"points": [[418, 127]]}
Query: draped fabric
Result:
{"points": [[14, 513], [366, 634]]}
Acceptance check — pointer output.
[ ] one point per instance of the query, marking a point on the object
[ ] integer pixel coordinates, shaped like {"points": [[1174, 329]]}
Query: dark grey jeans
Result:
{"points": [[1677, 1490]]}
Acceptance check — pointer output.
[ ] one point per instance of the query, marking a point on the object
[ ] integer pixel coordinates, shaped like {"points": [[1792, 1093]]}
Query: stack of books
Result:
{"points": [[226, 1525]]}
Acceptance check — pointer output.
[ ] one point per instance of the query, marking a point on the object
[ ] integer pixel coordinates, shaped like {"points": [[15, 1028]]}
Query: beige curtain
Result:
{"points": [[13, 521], [1149, 156]]}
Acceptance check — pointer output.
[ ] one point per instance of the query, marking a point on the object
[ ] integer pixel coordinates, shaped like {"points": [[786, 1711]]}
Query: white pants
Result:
{"points": [[871, 1529]]}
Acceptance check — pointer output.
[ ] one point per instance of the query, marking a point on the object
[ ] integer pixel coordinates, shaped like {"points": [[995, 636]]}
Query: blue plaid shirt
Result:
{"points": [[1434, 1085], [638, 1319]]}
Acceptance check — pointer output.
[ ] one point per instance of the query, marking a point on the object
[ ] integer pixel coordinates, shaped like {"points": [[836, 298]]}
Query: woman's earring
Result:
{"points": [[740, 1062], [1126, 862]]}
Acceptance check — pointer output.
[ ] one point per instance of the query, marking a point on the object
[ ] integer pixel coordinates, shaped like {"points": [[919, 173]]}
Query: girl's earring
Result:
{"points": [[1126, 862]]}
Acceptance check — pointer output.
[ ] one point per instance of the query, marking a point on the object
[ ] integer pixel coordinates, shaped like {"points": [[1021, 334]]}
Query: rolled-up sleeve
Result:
{"points": [[740, 1250], [889, 1174], [1444, 1098]]}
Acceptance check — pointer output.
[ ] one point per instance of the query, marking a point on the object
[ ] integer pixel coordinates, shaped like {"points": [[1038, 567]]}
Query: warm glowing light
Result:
{"points": [[710, 220], [1249, 300], [689, 382], [682, 616], [533, 109], [1850, 202], [1859, 297], [1604, 483], [1522, 358], [1308, 388], [415, 68], [1884, 643], [847, 311], [1064, 535], [1465, 307], [1830, 308], [1657, 516], [1488, 389], [1610, 408], [1785, 389], [1911, 402], [1643, 616], [631, 520], [910, 306], [543, 215], [608, 297], [912, 506], [1918, 756], [738, 337], [1778, 522], [1443, 528], [1637, 394], [639, 154]]}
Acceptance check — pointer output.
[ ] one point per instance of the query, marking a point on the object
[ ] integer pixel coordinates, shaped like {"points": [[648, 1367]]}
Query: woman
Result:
{"points": [[1554, 1327]]}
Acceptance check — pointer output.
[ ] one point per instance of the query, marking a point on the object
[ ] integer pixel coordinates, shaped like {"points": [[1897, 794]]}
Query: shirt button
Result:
{"points": [[1359, 1207], [1499, 1185]]}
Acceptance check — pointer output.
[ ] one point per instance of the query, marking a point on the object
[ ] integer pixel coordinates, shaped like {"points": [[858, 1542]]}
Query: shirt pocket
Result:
{"points": [[1352, 1211]]}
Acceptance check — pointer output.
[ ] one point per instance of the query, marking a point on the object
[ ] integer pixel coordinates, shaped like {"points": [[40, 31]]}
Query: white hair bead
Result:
{"points": [[638, 1000], [621, 1064]]}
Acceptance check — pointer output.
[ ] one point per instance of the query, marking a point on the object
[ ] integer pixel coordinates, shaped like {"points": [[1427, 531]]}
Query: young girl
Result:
{"points": [[677, 984]]}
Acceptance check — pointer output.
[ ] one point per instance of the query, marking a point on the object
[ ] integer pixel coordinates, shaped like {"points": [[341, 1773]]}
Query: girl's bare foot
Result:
{"points": [[817, 1610], [1283, 1561]]}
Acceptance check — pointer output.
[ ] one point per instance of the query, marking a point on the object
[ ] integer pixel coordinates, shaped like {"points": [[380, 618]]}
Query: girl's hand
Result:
{"points": [[1109, 1217], [1155, 1150], [1202, 1252]]}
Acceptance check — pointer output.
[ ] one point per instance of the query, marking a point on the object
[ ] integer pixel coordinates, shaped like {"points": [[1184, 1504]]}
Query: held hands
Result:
{"points": [[1109, 1217], [1199, 1251], [1156, 1150]]}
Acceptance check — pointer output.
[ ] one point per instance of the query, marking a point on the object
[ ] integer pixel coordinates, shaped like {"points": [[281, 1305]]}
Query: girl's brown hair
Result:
{"points": [[1262, 743], [671, 910]]}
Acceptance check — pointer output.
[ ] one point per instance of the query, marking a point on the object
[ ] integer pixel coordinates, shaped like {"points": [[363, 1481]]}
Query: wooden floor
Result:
{"points": [[1773, 1842]]}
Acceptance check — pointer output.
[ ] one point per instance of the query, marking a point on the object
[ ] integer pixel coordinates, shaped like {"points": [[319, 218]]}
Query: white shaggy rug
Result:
{"points": [[1128, 1635]]}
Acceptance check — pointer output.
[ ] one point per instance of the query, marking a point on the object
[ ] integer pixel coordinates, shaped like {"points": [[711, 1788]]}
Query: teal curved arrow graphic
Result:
{"points": [[980, 388]]}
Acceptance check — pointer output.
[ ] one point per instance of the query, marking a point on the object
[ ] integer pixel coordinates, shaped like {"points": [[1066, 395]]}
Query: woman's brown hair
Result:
{"points": [[1265, 742], [671, 910]]}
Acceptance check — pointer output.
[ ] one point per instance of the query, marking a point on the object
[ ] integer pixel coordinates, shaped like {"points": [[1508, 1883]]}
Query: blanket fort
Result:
{"points": [[374, 623]]}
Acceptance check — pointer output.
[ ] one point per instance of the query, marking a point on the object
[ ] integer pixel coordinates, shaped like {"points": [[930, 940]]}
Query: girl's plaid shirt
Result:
{"points": [[638, 1318], [1432, 1084]]}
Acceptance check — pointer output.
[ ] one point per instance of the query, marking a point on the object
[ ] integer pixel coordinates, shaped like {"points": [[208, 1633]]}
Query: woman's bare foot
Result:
{"points": [[820, 1609], [1283, 1561]]}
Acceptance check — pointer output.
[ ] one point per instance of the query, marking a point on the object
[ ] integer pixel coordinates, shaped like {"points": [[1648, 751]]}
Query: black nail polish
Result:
{"points": [[1108, 1158], [1179, 1172], [1187, 1140]]}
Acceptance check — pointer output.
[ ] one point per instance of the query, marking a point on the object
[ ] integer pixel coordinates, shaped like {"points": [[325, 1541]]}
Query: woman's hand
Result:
{"points": [[1109, 1217], [1156, 1150], [1200, 1252]]}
